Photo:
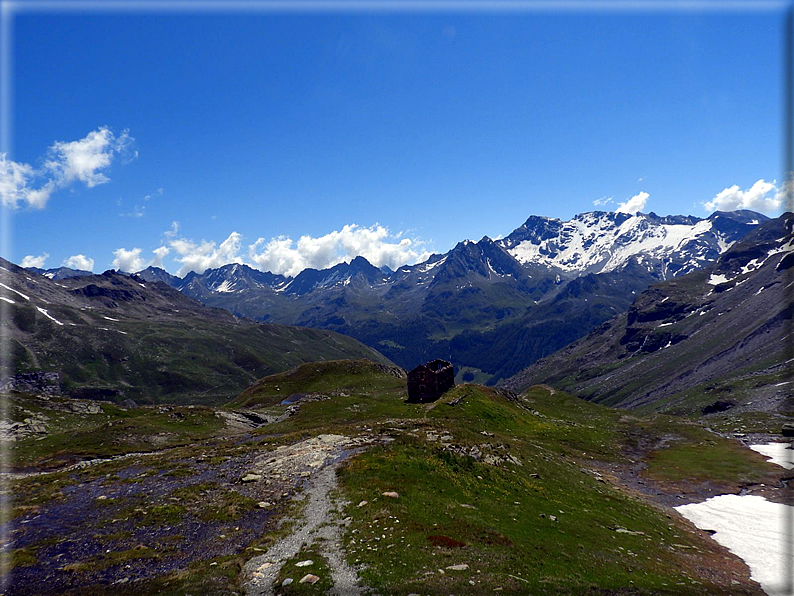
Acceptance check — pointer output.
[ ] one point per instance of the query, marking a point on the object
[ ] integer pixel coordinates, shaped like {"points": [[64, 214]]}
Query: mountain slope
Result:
{"points": [[117, 336], [716, 334]]}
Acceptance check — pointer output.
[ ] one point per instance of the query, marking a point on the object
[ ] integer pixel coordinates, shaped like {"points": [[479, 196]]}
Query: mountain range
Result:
{"points": [[493, 306], [720, 335]]}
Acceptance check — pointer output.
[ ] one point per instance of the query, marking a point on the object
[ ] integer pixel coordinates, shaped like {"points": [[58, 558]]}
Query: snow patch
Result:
{"points": [[752, 528], [48, 315], [111, 319], [778, 453], [427, 267], [15, 291], [7, 300], [715, 279], [225, 287]]}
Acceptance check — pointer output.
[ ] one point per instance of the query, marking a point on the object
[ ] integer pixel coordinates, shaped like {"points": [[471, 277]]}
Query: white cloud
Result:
{"points": [[634, 204], [200, 256], [288, 257], [375, 243], [756, 198], [137, 211], [172, 233], [81, 262], [86, 161], [129, 261], [35, 261], [602, 201], [159, 254], [14, 179]]}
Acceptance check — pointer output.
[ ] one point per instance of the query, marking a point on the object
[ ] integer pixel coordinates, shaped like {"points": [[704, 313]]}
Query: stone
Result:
{"points": [[309, 578], [363, 503], [391, 495], [460, 567], [287, 581], [251, 477], [622, 530], [305, 563], [263, 504]]}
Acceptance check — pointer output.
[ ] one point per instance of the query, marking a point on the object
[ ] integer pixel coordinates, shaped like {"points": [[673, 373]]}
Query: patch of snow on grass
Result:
{"points": [[778, 453], [48, 315], [752, 528], [7, 300]]}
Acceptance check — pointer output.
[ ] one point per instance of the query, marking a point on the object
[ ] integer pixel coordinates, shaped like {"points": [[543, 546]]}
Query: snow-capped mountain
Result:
{"points": [[600, 242], [721, 333]]}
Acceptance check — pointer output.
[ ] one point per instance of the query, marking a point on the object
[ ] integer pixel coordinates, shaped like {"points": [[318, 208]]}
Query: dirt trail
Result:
{"points": [[320, 524]]}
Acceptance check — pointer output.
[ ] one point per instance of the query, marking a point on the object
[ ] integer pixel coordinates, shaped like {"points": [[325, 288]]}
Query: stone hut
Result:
{"points": [[428, 382]]}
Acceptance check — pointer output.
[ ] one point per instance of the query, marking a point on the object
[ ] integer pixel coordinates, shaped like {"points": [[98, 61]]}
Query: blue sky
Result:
{"points": [[436, 127]]}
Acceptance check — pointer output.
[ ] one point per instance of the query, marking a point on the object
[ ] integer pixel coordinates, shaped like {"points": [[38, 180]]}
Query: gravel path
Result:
{"points": [[320, 524]]}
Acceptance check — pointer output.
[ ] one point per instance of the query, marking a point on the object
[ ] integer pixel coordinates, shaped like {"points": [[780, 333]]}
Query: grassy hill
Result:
{"points": [[533, 493]]}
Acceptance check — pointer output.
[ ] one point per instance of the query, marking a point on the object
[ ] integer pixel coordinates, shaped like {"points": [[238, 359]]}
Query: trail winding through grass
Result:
{"points": [[320, 526]]}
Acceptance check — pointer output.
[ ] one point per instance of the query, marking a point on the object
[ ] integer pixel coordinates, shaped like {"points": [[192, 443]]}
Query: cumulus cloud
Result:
{"points": [[634, 204], [129, 261], [375, 243], [159, 254], [200, 256], [14, 178], [84, 161], [284, 255], [756, 198], [602, 201], [81, 262], [35, 261]]}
